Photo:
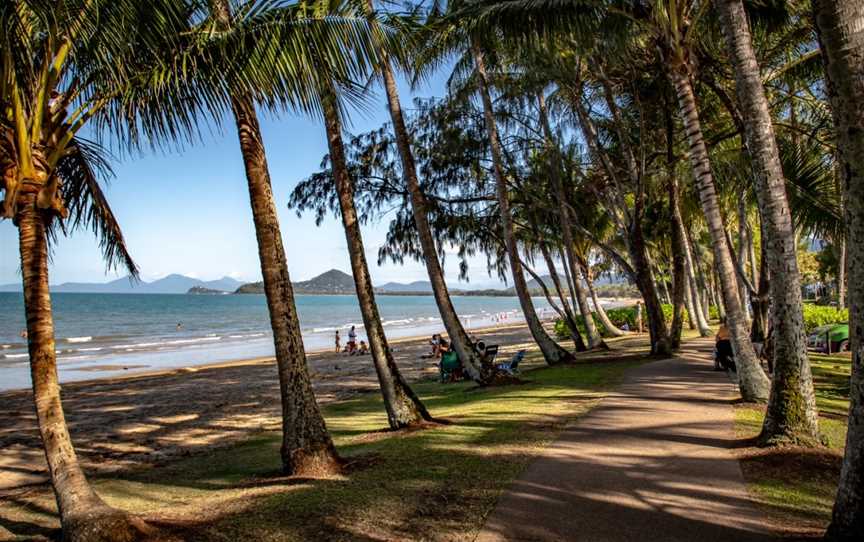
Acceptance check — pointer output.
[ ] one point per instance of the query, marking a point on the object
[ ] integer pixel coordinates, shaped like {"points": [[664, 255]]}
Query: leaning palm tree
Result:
{"points": [[65, 67], [404, 408], [552, 352], [791, 414], [306, 444], [839, 24], [459, 338]]}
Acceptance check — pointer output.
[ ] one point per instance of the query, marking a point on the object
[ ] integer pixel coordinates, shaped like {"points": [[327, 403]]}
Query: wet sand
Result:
{"points": [[146, 418]]}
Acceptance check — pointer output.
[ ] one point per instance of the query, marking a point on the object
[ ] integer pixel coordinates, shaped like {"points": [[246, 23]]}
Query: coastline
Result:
{"points": [[141, 419], [312, 355]]}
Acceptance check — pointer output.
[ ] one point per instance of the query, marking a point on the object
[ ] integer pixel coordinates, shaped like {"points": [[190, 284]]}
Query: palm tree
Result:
{"points": [[674, 24], [64, 68], [594, 339], [839, 25], [306, 445], [459, 338], [552, 352], [403, 407], [791, 413]]}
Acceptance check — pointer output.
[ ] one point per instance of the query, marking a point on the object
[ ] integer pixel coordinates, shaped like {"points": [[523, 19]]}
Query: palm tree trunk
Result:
{"points": [[83, 514], [458, 336], [307, 448], [699, 316], [552, 352], [839, 24], [753, 383], [556, 280], [791, 414], [306, 445], [594, 338], [632, 235], [611, 328], [743, 254], [403, 407], [679, 272]]}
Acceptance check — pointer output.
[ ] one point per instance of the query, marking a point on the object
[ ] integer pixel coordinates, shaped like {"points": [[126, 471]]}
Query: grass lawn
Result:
{"points": [[797, 485], [437, 483]]}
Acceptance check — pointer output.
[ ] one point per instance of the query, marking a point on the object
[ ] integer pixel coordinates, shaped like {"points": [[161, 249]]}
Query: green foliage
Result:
{"points": [[619, 317], [815, 316]]}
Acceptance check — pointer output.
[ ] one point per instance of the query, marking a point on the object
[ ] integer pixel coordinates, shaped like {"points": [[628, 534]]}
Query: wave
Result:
{"points": [[79, 339], [394, 322], [15, 356], [323, 329], [5, 346], [89, 349], [194, 341]]}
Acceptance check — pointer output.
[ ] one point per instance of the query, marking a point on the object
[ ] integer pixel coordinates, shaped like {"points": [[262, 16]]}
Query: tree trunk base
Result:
{"points": [[781, 438], [105, 524], [319, 463]]}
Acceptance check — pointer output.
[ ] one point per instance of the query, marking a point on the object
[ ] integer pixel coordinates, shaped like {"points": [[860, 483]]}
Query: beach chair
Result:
{"points": [[450, 366], [490, 354], [512, 366]]}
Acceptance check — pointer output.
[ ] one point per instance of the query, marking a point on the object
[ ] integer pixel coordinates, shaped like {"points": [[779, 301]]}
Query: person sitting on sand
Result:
{"points": [[443, 346], [338, 342], [363, 349], [435, 342]]}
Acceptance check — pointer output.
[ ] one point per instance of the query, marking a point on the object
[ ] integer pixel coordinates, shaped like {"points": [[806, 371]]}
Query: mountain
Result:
{"points": [[333, 282], [416, 286], [172, 284]]}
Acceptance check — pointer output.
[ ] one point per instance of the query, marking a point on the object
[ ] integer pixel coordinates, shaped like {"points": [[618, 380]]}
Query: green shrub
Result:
{"points": [[815, 316], [618, 316]]}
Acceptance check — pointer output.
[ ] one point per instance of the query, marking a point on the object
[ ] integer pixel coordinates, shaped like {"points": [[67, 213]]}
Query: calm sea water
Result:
{"points": [[109, 334]]}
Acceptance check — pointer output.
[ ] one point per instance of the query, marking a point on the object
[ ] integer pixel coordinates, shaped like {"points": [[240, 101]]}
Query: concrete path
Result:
{"points": [[653, 462]]}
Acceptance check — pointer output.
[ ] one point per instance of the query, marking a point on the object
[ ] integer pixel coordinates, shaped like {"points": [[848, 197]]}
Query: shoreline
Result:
{"points": [[312, 355], [134, 420]]}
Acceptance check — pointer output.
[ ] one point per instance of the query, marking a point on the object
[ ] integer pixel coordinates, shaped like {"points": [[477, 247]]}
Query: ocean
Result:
{"points": [[102, 335]]}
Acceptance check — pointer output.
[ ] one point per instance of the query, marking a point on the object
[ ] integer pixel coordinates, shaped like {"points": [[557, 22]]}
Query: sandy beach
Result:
{"points": [[148, 418]]}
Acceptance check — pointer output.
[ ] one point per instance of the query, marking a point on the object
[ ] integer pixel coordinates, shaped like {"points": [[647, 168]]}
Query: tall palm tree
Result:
{"points": [[306, 444], [791, 413], [839, 25], [552, 352], [459, 338], [403, 407], [66, 67], [674, 25], [593, 336]]}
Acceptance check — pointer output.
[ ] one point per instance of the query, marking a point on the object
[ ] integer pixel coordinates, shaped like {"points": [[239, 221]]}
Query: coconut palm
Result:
{"points": [[791, 413], [403, 407], [67, 67], [459, 338], [839, 24]]}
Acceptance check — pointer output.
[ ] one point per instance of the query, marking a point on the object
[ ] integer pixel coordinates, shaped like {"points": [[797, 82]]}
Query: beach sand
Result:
{"points": [[149, 418]]}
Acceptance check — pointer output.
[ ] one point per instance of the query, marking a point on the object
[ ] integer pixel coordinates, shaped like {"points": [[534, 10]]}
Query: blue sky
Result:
{"points": [[188, 212]]}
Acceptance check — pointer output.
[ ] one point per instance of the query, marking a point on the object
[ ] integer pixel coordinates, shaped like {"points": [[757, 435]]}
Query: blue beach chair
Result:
{"points": [[512, 366]]}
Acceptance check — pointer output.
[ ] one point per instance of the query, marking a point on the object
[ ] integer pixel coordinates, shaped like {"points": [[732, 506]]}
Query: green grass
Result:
{"points": [[796, 485], [437, 483]]}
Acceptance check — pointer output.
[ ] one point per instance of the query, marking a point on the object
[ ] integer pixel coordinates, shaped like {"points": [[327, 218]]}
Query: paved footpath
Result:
{"points": [[653, 462]]}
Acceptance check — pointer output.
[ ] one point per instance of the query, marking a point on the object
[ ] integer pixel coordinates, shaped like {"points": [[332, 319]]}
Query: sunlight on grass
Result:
{"points": [[422, 484], [795, 484]]}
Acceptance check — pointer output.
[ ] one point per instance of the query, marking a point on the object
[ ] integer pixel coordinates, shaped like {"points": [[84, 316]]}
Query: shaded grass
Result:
{"points": [[797, 485], [437, 483]]}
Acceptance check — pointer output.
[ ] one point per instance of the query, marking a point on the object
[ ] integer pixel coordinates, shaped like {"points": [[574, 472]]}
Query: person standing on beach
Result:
{"points": [[338, 342], [352, 340]]}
